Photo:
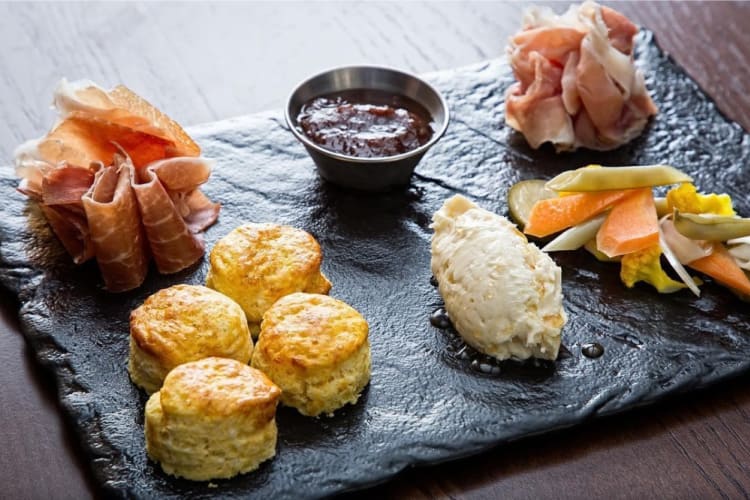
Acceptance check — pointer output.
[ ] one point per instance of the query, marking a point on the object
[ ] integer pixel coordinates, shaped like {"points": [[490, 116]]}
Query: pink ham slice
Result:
{"points": [[554, 44], [116, 232], [621, 30], [600, 95], [173, 244], [540, 110], [599, 99]]}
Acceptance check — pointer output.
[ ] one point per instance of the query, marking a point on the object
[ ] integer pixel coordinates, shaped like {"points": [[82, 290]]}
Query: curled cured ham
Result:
{"points": [[577, 81], [119, 181], [116, 235], [170, 238]]}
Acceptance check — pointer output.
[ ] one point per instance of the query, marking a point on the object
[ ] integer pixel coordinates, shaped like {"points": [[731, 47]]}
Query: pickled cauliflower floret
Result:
{"points": [[686, 198], [645, 265], [503, 294]]}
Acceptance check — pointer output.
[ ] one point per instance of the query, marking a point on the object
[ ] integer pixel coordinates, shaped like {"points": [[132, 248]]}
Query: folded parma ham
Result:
{"points": [[577, 81], [119, 181]]}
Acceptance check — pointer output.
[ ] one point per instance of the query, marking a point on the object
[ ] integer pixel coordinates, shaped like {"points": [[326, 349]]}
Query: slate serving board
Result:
{"points": [[425, 403]]}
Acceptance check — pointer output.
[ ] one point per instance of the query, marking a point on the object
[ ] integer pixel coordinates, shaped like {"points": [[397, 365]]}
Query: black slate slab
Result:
{"points": [[426, 402]]}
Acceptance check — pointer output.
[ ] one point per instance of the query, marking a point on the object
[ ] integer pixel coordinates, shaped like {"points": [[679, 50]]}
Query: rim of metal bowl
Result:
{"points": [[381, 159]]}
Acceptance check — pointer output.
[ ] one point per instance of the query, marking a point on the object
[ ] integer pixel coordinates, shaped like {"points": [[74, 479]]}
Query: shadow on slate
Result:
{"points": [[425, 403]]}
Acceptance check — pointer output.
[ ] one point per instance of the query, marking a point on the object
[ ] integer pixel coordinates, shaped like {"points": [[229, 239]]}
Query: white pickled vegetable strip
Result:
{"points": [[741, 254], [685, 249], [577, 236], [675, 263], [739, 241], [739, 248]]}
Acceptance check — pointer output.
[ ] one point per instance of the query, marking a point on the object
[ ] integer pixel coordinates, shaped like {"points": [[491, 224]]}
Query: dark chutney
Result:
{"points": [[365, 123]]}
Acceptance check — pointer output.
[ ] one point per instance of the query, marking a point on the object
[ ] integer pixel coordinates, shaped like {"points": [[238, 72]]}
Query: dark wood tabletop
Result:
{"points": [[204, 61]]}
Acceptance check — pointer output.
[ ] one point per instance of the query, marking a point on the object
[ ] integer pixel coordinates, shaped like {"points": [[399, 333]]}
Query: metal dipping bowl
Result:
{"points": [[370, 174]]}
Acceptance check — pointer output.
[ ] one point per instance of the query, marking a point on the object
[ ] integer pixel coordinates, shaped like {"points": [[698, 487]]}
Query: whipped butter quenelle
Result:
{"points": [[503, 294]]}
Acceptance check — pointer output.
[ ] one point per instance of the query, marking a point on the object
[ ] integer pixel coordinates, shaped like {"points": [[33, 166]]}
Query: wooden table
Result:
{"points": [[204, 62]]}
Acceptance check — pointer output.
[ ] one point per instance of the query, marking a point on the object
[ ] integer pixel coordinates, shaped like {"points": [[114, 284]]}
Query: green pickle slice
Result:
{"points": [[711, 227], [523, 195]]}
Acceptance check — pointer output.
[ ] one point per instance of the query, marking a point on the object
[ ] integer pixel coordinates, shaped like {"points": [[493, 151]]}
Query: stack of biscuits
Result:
{"points": [[214, 393]]}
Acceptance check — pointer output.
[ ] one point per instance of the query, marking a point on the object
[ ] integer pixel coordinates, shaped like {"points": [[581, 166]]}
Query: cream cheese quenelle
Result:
{"points": [[502, 293]]}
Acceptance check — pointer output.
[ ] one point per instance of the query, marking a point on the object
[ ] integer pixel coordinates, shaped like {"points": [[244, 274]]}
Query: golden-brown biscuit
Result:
{"points": [[213, 418], [184, 323], [257, 264], [316, 349]]}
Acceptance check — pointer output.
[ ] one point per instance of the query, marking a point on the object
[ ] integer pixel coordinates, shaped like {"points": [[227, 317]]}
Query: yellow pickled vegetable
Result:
{"points": [[686, 198], [568, 193], [598, 178], [645, 265]]}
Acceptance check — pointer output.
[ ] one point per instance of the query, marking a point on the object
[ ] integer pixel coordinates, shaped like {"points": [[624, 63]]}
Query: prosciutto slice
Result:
{"points": [[196, 209], [116, 232], [59, 191], [181, 178], [173, 245], [124, 109], [72, 229], [540, 110], [66, 185], [577, 82]]}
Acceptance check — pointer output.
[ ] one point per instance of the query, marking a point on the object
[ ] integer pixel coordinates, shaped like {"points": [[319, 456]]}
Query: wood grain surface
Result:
{"points": [[203, 62]]}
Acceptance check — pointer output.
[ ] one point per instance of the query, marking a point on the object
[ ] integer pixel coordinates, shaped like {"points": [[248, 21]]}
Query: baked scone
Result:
{"points": [[212, 419], [316, 349], [184, 323], [257, 264]]}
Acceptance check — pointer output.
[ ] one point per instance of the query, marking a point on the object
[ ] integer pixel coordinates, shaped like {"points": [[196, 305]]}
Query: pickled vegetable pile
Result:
{"points": [[612, 212]]}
